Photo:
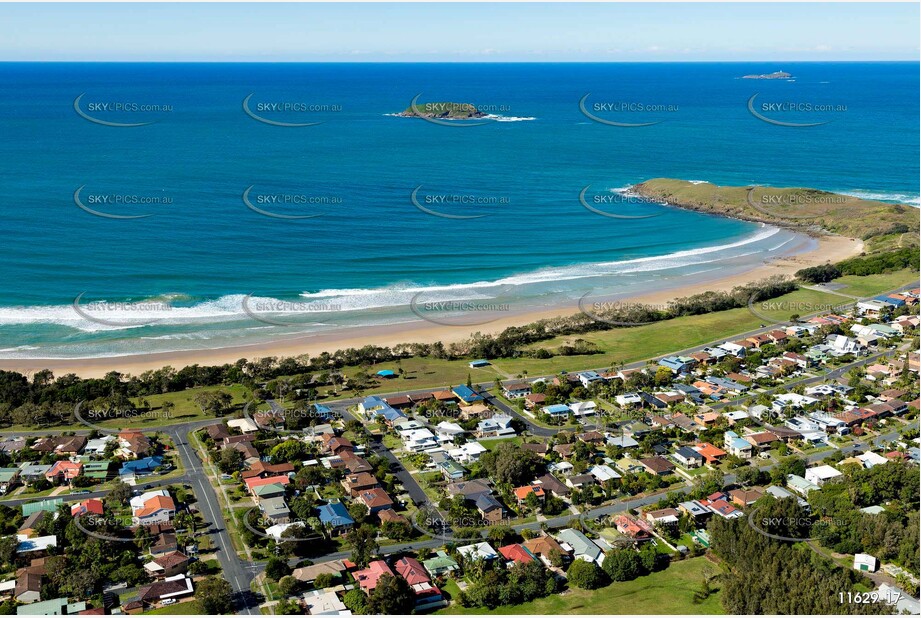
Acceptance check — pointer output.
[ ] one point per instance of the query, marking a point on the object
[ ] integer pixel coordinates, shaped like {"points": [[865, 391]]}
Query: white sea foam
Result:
{"points": [[901, 198], [325, 302]]}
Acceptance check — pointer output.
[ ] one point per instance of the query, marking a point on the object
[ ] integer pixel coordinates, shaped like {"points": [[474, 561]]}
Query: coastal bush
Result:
{"points": [[906, 257]]}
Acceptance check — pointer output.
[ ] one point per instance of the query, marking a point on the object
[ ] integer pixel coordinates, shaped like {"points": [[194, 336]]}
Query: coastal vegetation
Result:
{"points": [[906, 257], [880, 224]]}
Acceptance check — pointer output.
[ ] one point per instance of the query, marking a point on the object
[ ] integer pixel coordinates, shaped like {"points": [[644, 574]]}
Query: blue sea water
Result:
{"points": [[367, 254]]}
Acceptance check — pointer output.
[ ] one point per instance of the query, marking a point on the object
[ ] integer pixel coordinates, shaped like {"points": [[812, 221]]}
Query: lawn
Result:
{"points": [[874, 284], [667, 592]]}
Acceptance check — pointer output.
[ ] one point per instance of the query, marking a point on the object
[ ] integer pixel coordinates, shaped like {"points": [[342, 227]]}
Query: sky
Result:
{"points": [[413, 32]]}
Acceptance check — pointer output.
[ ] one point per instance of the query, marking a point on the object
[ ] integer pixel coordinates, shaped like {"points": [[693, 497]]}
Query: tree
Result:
{"points": [[585, 575], [324, 580], [276, 568], [214, 596], [622, 565], [120, 493], [363, 541], [356, 600], [230, 461], [287, 585], [392, 595]]}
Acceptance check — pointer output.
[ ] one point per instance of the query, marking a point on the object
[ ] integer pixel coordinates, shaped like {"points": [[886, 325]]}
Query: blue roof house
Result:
{"points": [[466, 394], [140, 467], [335, 517], [557, 409]]}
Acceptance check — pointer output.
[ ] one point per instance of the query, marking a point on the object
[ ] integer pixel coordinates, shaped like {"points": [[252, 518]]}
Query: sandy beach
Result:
{"points": [[830, 249]]}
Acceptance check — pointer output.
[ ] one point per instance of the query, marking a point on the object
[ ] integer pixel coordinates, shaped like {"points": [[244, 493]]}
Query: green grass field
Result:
{"points": [[667, 592], [874, 284]]}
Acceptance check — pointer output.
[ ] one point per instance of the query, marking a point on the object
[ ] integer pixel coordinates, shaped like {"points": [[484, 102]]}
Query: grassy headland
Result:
{"points": [[881, 225]]}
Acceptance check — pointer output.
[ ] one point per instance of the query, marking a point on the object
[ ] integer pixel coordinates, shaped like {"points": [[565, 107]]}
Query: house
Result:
{"points": [[478, 551], [60, 445], [723, 508], [489, 508], [745, 497], [628, 400], [556, 410], [467, 452], [99, 471], [140, 467], [152, 507], [865, 562], [579, 546], [9, 478], [37, 546], [375, 499], [29, 525], [471, 490], [28, 587], [133, 444], [255, 482], [658, 466], [499, 426], [842, 345], [688, 457], [603, 473], [217, 432], [522, 493], [543, 547], [90, 506], [516, 390], [762, 441], [29, 472], [534, 400], [580, 481], [354, 484], [695, 510], [536, 448], [335, 517], [319, 603], [629, 465], [736, 446], [63, 472], [870, 459], [553, 486], [587, 378], [308, 574], [170, 588], [820, 474], [451, 470], [631, 528], [168, 565], [664, 518], [466, 395], [678, 364], [583, 408], [440, 564], [516, 553], [275, 509], [623, 441], [800, 485], [418, 440], [447, 432], [781, 493], [412, 571]]}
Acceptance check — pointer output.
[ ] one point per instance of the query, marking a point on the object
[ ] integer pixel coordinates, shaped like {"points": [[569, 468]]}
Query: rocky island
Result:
{"points": [[445, 111], [774, 75]]}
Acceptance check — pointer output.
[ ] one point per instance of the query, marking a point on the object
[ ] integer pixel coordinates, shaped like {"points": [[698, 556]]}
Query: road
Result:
{"points": [[236, 571]]}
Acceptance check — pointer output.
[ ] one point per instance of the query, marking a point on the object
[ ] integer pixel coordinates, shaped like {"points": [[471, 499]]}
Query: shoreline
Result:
{"points": [[831, 248]]}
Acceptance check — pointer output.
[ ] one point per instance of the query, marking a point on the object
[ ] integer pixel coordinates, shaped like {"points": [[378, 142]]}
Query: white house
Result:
{"points": [[791, 400], [583, 408], [733, 348], [97, 446], [820, 474], [499, 425], [467, 452], [603, 473], [243, 424], [482, 551], [842, 345], [870, 459], [865, 562], [446, 432], [418, 440], [587, 378], [628, 399]]}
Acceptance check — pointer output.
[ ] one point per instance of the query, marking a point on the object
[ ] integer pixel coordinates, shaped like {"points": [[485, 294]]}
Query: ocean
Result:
{"points": [[211, 221]]}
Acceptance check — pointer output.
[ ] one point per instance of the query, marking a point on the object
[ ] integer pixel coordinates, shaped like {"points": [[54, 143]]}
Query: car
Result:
{"points": [[80, 493], [168, 602]]}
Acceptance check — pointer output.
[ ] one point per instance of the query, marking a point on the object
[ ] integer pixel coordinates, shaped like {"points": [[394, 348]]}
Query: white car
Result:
{"points": [[168, 602]]}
